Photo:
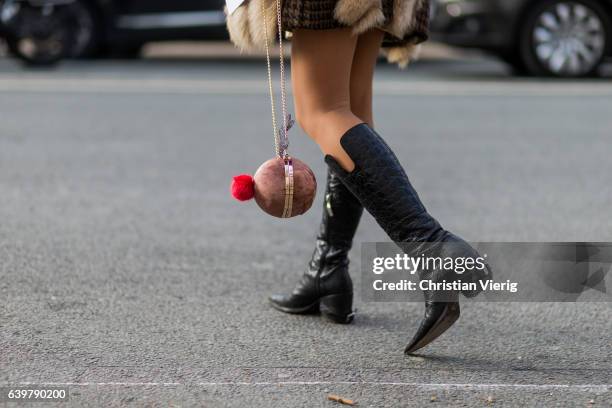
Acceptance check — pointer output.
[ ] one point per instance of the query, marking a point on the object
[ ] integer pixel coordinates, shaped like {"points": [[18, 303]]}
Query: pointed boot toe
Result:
{"points": [[439, 317]]}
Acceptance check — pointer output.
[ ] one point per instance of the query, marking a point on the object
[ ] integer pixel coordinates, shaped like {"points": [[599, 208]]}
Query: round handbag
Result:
{"points": [[283, 186]]}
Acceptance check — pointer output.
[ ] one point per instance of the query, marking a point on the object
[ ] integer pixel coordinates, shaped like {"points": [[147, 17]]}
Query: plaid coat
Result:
{"points": [[405, 22]]}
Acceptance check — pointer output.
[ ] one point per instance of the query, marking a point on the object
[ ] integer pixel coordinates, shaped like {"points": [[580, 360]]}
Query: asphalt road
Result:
{"points": [[128, 273]]}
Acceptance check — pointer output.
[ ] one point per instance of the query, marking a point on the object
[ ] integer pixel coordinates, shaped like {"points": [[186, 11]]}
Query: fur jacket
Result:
{"points": [[246, 25]]}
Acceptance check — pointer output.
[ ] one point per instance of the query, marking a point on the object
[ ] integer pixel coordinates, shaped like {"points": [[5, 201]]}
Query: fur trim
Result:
{"points": [[349, 11], [402, 55], [374, 17], [238, 27], [363, 15], [403, 17], [256, 22], [359, 14], [246, 25]]}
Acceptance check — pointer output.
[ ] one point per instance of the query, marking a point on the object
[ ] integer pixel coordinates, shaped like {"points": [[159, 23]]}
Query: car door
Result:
{"points": [[150, 20], [164, 6]]}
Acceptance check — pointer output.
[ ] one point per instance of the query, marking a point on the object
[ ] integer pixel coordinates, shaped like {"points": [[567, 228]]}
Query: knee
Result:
{"points": [[315, 121], [307, 121], [302, 117]]}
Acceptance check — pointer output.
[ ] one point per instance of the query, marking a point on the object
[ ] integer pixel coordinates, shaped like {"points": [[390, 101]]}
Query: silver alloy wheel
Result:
{"points": [[569, 38]]}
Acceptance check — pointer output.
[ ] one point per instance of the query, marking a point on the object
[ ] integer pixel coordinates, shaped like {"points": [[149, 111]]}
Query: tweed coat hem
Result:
{"points": [[405, 22]]}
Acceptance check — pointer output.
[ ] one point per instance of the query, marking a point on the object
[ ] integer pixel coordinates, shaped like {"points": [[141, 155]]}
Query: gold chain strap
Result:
{"points": [[281, 138]]}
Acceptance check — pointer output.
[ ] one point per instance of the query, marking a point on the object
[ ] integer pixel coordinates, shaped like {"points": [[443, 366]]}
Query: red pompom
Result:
{"points": [[243, 187]]}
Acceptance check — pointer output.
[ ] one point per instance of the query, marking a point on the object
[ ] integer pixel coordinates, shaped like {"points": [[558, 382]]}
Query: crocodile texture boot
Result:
{"points": [[326, 285], [380, 183]]}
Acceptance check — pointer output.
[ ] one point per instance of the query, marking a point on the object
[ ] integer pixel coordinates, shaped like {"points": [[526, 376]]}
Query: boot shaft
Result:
{"points": [[381, 184], [341, 214]]}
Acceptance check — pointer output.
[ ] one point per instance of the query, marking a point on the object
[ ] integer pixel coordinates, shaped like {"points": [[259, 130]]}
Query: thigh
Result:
{"points": [[321, 69], [367, 51]]}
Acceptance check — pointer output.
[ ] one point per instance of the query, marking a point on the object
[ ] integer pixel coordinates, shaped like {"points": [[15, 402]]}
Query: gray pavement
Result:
{"points": [[129, 274]]}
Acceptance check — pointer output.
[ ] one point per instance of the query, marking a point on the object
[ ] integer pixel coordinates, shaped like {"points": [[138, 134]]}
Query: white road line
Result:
{"points": [[587, 387], [34, 84]]}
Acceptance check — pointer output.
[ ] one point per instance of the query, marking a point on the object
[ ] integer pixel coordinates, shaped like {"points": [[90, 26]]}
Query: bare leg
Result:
{"points": [[362, 74], [329, 71], [321, 62], [326, 286], [322, 99]]}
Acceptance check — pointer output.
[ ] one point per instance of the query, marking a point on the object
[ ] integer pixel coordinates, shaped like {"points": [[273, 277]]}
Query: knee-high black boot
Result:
{"points": [[380, 183], [326, 285]]}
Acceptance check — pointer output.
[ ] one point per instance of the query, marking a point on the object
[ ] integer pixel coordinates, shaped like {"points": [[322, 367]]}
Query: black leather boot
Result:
{"points": [[380, 183], [326, 286]]}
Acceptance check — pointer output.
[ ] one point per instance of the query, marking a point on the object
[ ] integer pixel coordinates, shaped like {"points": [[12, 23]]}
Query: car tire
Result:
{"points": [[90, 45], [80, 40], [564, 38]]}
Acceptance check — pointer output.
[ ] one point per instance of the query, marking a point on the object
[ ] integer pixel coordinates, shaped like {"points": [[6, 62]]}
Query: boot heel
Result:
{"points": [[338, 308]]}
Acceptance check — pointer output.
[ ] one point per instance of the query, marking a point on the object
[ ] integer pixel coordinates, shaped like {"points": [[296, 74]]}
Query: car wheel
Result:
{"points": [[45, 34], [565, 38], [86, 29]]}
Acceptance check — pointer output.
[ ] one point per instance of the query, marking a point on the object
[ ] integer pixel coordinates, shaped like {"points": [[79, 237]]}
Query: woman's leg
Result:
{"points": [[321, 62], [326, 285], [362, 74]]}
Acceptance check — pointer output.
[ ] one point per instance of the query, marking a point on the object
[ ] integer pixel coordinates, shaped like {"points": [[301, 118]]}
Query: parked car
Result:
{"points": [[43, 31], [562, 38]]}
